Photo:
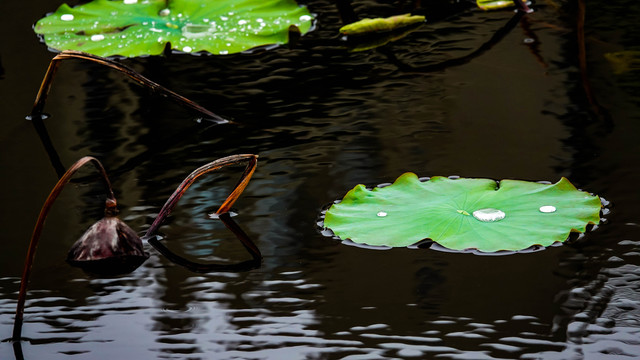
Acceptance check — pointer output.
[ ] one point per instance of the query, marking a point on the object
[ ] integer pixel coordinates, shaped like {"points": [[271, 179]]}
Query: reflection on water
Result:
{"points": [[322, 120]]}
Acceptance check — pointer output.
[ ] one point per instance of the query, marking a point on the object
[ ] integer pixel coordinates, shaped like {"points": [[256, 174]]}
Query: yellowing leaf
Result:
{"points": [[367, 26]]}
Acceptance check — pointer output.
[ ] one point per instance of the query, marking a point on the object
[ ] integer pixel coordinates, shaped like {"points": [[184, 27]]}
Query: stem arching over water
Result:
{"points": [[37, 231], [45, 87], [189, 180], [223, 212]]}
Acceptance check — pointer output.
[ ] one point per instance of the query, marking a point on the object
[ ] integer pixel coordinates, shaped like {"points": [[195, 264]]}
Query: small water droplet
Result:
{"points": [[187, 49], [128, 2], [66, 17], [528, 41], [242, 22], [489, 215], [223, 52], [305, 18], [164, 12], [382, 214], [547, 209], [97, 37]]}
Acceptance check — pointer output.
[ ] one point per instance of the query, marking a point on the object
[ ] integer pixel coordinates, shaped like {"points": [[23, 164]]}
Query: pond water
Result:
{"points": [[324, 119]]}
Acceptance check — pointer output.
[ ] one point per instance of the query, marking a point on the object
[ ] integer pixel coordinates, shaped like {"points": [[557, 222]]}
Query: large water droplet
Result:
{"points": [[305, 18], [382, 214], [66, 17], [97, 37], [196, 31], [547, 209], [187, 49], [489, 215]]}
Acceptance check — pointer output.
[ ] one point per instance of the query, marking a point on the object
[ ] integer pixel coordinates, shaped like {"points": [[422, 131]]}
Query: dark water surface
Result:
{"points": [[322, 120]]}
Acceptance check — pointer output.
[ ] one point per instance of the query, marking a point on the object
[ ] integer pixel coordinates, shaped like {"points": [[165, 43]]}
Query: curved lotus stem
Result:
{"points": [[214, 165], [37, 231], [38, 105]]}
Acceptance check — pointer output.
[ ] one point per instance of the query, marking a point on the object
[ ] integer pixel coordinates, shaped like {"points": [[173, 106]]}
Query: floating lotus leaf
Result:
{"points": [[494, 4], [463, 213], [368, 26], [144, 27]]}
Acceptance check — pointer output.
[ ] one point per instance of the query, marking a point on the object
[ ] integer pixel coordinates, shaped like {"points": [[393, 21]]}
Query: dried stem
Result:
{"points": [[217, 164], [45, 87], [37, 231]]}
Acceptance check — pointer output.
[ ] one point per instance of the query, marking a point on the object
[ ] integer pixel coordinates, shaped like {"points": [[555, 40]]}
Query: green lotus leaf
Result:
{"points": [[463, 213], [144, 27]]}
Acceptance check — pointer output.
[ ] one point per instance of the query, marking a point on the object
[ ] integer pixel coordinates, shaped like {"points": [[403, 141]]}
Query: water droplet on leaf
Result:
{"points": [[164, 12], [66, 17], [382, 214], [547, 209], [489, 215], [194, 31], [97, 37]]}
